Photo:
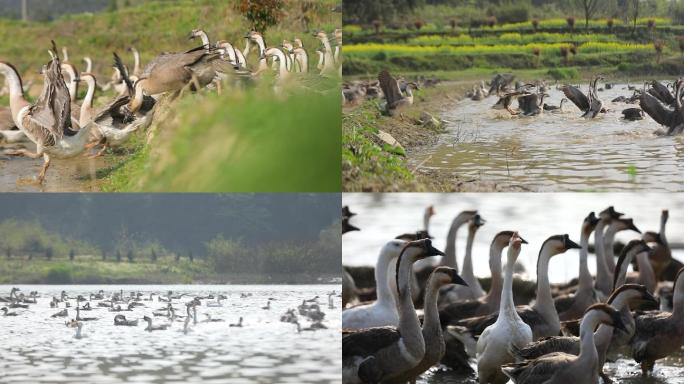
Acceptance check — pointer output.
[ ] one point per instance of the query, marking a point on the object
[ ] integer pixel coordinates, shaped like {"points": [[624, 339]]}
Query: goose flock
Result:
{"points": [[163, 318], [661, 101], [61, 126], [421, 313]]}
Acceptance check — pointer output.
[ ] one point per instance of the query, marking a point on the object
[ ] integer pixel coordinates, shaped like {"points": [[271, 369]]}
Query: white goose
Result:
{"points": [[494, 343], [383, 311]]}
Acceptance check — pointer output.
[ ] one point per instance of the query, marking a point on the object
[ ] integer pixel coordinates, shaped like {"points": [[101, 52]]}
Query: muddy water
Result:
{"points": [[36, 348], [557, 151], [18, 174]]}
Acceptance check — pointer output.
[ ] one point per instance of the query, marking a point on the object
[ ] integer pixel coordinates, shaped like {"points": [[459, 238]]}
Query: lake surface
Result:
{"points": [[36, 348], [557, 151], [536, 216]]}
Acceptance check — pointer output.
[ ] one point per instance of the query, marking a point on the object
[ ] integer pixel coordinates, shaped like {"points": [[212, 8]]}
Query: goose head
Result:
{"points": [[636, 296], [622, 224], [338, 36], [652, 237], [609, 214], [346, 212], [476, 222], [502, 239], [346, 227], [298, 43], [89, 79], [589, 223], [420, 249], [605, 314], [558, 244], [195, 33], [627, 255], [447, 275]]}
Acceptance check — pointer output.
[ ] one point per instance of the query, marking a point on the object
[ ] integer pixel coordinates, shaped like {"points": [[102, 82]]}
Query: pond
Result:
{"points": [[557, 151], [36, 348]]}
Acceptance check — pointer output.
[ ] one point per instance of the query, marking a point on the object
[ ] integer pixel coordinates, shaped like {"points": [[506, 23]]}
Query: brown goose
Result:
{"points": [[591, 106], [673, 119], [571, 307], [382, 353], [661, 256], [626, 298], [395, 100], [432, 330], [604, 276], [639, 250], [564, 368], [659, 334], [542, 316], [47, 122]]}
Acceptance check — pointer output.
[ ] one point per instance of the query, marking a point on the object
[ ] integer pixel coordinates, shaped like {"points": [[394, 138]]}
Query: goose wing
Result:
{"points": [[577, 97], [546, 345], [563, 303], [365, 342], [49, 119], [390, 87], [656, 110], [661, 92], [539, 370], [499, 82], [459, 310], [648, 325]]}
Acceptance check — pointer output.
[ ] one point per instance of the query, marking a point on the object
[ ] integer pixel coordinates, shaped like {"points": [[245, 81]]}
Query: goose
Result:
{"points": [[573, 307], [562, 368], [5, 312], [432, 330], [625, 298], [331, 303], [509, 329], [661, 92], [287, 49], [542, 316], [74, 79], [136, 61], [531, 105], [210, 319], [499, 83], [268, 305], [467, 271], [633, 114], [346, 227], [383, 311], [661, 255], [553, 108], [79, 327], [63, 313], [338, 45], [615, 226], [591, 105], [658, 334], [395, 100], [328, 58], [87, 110], [121, 320], [44, 122], [151, 328], [195, 33], [258, 39], [319, 65], [301, 58], [639, 250], [12, 296], [216, 303], [382, 353], [604, 277], [673, 119], [490, 302], [89, 64], [238, 324], [79, 318]]}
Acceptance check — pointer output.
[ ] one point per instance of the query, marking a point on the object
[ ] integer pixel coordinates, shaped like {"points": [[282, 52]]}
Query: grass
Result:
{"points": [[511, 38], [247, 141]]}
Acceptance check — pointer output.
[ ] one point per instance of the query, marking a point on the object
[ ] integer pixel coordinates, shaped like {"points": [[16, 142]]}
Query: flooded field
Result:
{"points": [[36, 348], [557, 151], [17, 174], [536, 216]]}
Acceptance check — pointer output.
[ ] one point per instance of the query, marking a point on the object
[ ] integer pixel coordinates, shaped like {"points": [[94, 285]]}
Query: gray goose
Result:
{"points": [[658, 334], [563, 368], [47, 122], [395, 100], [383, 353], [673, 119], [591, 106]]}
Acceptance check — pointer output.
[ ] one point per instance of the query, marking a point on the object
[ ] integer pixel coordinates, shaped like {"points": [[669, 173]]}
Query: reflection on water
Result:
{"points": [[536, 216], [558, 151], [38, 349]]}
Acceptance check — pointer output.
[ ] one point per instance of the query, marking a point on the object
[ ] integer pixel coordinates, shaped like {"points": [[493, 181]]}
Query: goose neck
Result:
{"points": [[603, 276], [608, 239], [544, 301], [449, 258], [663, 221], [507, 306], [467, 272], [678, 299], [646, 273], [385, 297], [431, 323], [585, 279], [496, 286], [16, 90], [409, 325], [587, 347], [137, 101]]}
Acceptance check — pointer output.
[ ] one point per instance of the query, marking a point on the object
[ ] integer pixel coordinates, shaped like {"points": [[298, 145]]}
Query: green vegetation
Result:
{"points": [[31, 254], [248, 139]]}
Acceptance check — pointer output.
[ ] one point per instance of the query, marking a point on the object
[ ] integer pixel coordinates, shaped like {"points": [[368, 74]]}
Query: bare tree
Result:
{"points": [[589, 7], [635, 14]]}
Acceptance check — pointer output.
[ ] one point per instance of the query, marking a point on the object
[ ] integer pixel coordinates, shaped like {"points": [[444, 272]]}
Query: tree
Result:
{"points": [[48, 253], [72, 255], [129, 256], [589, 7], [118, 256], [153, 256], [634, 7], [261, 13]]}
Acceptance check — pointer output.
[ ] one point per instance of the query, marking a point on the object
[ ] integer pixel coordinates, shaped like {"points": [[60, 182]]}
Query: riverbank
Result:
{"points": [[92, 271]]}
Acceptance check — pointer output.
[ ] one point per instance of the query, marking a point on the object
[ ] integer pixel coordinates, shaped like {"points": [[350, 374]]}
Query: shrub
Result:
{"points": [[511, 13], [60, 274], [535, 25], [261, 13], [563, 73], [571, 22]]}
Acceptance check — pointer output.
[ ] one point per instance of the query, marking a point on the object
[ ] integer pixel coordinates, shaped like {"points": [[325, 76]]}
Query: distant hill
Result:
{"points": [[42, 10]]}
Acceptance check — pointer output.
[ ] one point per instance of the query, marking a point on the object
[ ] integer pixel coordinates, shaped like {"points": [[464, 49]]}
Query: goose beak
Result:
{"points": [[430, 250], [569, 244], [649, 300], [634, 228], [191, 36], [617, 321], [247, 35], [456, 279], [352, 228], [522, 241]]}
